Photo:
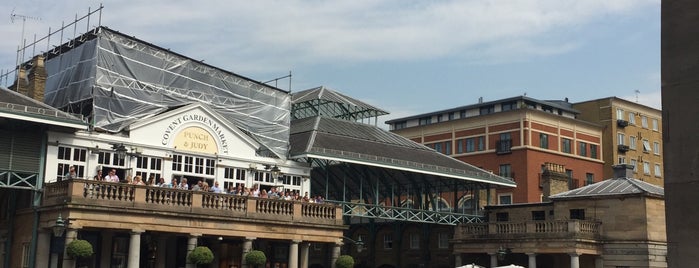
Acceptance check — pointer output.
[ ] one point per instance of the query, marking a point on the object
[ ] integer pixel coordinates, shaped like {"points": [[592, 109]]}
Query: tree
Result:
{"points": [[79, 249], [201, 255], [256, 257], [344, 261]]}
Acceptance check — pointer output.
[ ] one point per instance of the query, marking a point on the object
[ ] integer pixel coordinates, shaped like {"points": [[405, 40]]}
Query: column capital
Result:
{"points": [[530, 254], [250, 238], [137, 231], [574, 254], [296, 241], [195, 235]]}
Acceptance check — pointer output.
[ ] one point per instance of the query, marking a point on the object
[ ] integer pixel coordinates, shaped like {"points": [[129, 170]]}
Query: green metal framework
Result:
{"points": [[333, 109], [21, 180]]}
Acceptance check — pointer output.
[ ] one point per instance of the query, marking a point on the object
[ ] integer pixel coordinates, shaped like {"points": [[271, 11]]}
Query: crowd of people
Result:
{"points": [[201, 185]]}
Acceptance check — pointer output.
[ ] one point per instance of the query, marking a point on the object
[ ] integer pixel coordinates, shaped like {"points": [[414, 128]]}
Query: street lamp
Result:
{"points": [[120, 150], [59, 227], [358, 243], [502, 253]]}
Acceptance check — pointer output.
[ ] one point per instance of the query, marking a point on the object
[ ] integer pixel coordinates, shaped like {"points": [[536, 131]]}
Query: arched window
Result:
{"points": [[466, 205]]}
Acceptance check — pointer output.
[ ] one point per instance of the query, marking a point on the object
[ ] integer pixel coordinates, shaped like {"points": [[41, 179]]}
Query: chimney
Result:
{"points": [[623, 171], [554, 180], [37, 79]]}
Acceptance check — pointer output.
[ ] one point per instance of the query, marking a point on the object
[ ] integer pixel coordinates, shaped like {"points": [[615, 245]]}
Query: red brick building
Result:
{"points": [[513, 138]]}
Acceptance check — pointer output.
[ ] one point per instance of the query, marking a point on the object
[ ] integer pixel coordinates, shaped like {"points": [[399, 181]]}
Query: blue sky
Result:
{"points": [[405, 56]]}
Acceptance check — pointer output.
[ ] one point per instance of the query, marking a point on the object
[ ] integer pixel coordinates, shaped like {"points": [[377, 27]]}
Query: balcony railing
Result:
{"points": [[148, 198], [530, 229]]}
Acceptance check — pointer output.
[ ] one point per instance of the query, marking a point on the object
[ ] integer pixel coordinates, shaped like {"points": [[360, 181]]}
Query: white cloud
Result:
{"points": [[272, 36]]}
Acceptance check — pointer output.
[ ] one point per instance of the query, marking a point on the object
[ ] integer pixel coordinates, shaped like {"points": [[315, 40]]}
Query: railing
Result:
{"points": [[405, 214], [530, 229], [108, 194]]}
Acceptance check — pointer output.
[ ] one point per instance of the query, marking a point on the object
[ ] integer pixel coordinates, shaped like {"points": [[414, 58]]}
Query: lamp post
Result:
{"points": [[358, 243], [59, 227]]}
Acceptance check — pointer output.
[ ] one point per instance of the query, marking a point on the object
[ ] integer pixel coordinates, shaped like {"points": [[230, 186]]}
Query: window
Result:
{"points": [[487, 110], [644, 121], [620, 138], [589, 178], [234, 173], [543, 140], [547, 109], [425, 120], [481, 143], [443, 240], [658, 173], [504, 145], [438, 147], [414, 241], [620, 114], [387, 241], [646, 146], [193, 165], [451, 115], [25, 255], [505, 171], [460, 146], [400, 125], [646, 168], [147, 166], [470, 147], [577, 214], [655, 124], [67, 157], [632, 118], [510, 105], [632, 142], [440, 118], [539, 215], [622, 160], [462, 114], [634, 164], [447, 147], [593, 151], [656, 147], [565, 145], [502, 216], [505, 199], [583, 149]]}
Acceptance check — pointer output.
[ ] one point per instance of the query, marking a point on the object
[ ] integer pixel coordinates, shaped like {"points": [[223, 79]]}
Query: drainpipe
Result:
{"points": [[38, 190]]}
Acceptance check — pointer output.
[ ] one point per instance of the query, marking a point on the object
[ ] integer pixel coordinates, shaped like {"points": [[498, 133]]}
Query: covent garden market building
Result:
{"points": [[109, 102]]}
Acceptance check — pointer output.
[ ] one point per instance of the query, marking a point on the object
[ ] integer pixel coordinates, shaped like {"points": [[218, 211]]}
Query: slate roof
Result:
{"points": [[329, 138], [18, 106], [617, 186]]}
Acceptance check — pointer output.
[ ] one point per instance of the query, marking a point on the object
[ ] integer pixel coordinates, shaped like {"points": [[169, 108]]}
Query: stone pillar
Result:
{"points": [[599, 262], [335, 254], [134, 249], [294, 254], [303, 258], [247, 247], [532, 260], [42, 248], [71, 234], [191, 244], [574, 260], [457, 259], [493, 260]]}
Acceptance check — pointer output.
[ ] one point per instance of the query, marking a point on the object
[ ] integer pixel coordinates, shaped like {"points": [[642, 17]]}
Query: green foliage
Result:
{"points": [[79, 249], [256, 257], [201, 255], [344, 261]]}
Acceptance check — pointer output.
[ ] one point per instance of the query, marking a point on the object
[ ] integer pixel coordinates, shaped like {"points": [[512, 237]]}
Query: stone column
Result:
{"points": [[532, 260], [247, 247], [294, 254], [335, 254], [134, 249], [574, 260], [71, 234], [303, 263], [161, 251], [493, 259], [191, 244], [42, 248], [457, 259]]}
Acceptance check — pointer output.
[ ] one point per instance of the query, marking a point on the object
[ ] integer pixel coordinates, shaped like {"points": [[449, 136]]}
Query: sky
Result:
{"points": [[404, 56]]}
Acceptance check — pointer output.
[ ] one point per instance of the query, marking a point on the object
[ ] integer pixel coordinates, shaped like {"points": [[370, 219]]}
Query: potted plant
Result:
{"points": [[79, 249], [344, 261], [255, 258], [200, 255]]}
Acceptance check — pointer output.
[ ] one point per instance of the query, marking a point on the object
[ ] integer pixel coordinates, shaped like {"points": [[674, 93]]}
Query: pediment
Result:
{"points": [[194, 128]]}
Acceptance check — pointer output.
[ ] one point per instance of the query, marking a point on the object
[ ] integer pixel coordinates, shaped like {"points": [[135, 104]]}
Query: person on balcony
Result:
{"points": [[71, 173], [216, 189], [161, 182], [255, 191], [197, 187], [183, 184], [112, 176], [99, 176], [138, 181]]}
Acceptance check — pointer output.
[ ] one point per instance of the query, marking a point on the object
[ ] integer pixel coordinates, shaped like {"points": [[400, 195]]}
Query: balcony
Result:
{"points": [[147, 201], [503, 146], [622, 123], [623, 148], [535, 230]]}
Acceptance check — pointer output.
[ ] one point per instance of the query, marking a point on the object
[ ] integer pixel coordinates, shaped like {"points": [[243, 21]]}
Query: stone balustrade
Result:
{"points": [[530, 229], [108, 194]]}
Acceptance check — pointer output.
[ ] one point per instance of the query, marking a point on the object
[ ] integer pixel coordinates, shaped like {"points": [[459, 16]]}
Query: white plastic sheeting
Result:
{"points": [[127, 79]]}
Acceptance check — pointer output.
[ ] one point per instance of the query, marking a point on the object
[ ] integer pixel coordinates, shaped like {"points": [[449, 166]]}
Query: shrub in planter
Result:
{"points": [[255, 257], [79, 249], [344, 261], [201, 255]]}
